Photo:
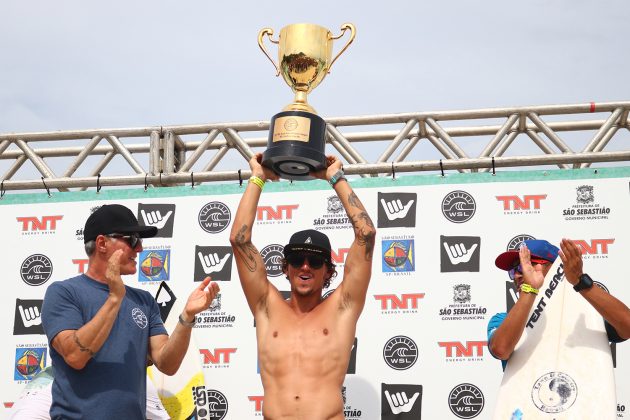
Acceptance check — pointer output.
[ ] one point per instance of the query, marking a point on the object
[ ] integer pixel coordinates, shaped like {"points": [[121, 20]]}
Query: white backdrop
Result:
{"points": [[423, 329]]}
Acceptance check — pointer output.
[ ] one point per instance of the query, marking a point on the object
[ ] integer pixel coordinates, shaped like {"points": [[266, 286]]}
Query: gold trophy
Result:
{"points": [[297, 135]]}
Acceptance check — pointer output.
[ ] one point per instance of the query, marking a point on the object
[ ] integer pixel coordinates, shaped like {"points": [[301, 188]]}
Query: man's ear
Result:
{"points": [[101, 243]]}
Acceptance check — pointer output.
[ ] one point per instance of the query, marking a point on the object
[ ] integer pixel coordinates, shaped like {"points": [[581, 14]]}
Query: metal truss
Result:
{"points": [[182, 154]]}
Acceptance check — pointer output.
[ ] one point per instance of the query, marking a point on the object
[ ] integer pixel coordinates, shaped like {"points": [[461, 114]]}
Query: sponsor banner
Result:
{"points": [[396, 210], [161, 216], [466, 401], [213, 261], [398, 256], [459, 253], [586, 207], [28, 318], [29, 361], [401, 402]]}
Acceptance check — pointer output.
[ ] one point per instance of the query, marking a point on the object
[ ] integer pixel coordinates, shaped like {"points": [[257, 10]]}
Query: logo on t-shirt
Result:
{"points": [[139, 318]]}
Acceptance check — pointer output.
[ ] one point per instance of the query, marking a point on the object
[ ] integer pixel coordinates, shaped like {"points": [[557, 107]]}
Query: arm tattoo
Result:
{"points": [[367, 239], [354, 200], [246, 249], [81, 346], [364, 238]]}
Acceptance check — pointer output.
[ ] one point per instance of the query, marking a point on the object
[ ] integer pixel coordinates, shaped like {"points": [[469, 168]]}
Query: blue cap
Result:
{"points": [[538, 248]]}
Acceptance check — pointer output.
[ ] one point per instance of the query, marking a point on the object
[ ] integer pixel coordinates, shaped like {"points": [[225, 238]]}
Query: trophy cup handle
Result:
{"points": [[353, 33], [269, 33]]}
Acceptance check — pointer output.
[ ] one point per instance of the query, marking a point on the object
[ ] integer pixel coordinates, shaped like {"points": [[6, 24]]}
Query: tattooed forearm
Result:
{"points": [[81, 346], [247, 249], [354, 201], [367, 239]]}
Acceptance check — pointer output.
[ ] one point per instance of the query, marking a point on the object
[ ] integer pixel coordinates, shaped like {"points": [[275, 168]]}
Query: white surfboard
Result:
{"points": [[183, 393], [561, 368]]}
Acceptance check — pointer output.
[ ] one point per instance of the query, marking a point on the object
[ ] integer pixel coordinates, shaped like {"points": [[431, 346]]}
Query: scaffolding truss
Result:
{"points": [[181, 154]]}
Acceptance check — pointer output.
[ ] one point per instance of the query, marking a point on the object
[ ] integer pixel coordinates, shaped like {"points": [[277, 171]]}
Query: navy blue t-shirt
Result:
{"points": [[112, 385]]}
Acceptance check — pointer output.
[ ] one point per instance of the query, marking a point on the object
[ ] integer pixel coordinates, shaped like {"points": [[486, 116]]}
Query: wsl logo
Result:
{"points": [[458, 206], [400, 352], [272, 255], [218, 404], [155, 265], [214, 217], [36, 270], [398, 256], [466, 401]]}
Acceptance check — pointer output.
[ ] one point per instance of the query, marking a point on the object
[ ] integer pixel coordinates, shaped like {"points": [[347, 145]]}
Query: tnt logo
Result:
{"points": [[339, 257], [258, 402], [81, 264], [516, 203], [220, 358], [597, 248], [282, 213], [405, 301], [458, 351], [33, 225]]}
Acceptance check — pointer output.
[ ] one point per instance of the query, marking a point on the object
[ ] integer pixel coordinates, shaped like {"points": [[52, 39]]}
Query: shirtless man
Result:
{"points": [[304, 343]]}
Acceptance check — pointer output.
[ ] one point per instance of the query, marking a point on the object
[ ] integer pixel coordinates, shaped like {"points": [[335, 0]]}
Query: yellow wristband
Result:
{"points": [[257, 181], [526, 288]]}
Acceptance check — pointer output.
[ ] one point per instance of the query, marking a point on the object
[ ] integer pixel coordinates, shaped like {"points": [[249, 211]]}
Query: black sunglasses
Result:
{"points": [[314, 261], [133, 240]]}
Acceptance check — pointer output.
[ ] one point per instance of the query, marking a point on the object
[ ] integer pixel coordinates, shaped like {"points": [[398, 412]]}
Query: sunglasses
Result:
{"points": [[519, 268], [133, 240], [314, 261]]}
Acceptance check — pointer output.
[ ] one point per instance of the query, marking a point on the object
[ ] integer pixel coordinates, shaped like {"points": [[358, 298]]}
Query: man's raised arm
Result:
{"points": [[250, 265], [358, 265]]}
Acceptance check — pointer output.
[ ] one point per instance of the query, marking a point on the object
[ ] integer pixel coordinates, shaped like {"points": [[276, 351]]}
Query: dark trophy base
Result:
{"points": [[296, 151]]}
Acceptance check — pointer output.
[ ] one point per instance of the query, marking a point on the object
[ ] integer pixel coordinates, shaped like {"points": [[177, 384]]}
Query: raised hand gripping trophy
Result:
{"points": [[297, 135]]}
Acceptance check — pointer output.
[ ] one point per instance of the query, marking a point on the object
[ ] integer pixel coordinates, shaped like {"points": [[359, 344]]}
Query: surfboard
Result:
{"points": [[183, 394], [561, 368]]}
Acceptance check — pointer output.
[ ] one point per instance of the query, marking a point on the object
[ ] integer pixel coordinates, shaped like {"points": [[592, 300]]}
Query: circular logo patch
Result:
{"points": [[458, 206], [400, 352], [466, 401], [139, 318], [214, 217], [516, 241], [272, 256], [36, 270], [554, 392], [217, 403]]}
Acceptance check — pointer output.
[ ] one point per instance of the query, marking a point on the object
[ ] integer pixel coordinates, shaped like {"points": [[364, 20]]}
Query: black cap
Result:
{"points": [[114, 218], [308, 241]]}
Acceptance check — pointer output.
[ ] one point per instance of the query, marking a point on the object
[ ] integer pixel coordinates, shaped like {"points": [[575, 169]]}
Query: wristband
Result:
{"points": [[257, 181], [337, 177], [186, 323], [526, 288]]}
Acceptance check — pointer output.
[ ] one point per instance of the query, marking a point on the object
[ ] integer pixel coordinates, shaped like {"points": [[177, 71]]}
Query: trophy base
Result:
{"points": [[296, 145]]}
